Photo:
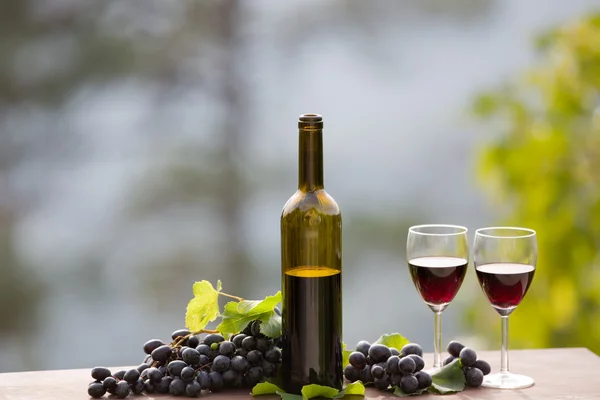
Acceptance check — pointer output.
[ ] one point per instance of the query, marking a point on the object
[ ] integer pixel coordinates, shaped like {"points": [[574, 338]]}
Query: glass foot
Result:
{"points": [[506, 380]]}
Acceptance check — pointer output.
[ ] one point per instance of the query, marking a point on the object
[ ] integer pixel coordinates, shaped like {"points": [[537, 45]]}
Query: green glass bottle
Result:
{"points": [[311, 267]]}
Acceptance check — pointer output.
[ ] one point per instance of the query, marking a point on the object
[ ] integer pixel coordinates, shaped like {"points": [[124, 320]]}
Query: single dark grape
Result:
{"points": [[357, 359], [278, 342], [96, 390], [154, 374], [483, 366], [226, 348], [467, 357], [239, 364], [254, 357], [100, 373], [149, 387], [269, 368], [412, 348], [419, 362], [137, 387], [249, 343], [179, 333], [409, 384], [122, 389], [180, 351], [152, 345], [191, 356], [365, 375], [144, 374], [273, 355], [377, 371], [351, 373], [406, 365], [193, 389], [392, 364], [448, 360], [277, 311], [204, 349], [454, 348], [229, 378], [474, 377], [396, 378], [203, 380], [216, 381], [193, 341], [255, 328], [142, 367], [213, 338], [394, 351], [264, 344], [162, 353], [241, 352], [424, 379], [119, 374], [148, 359], [237, 340], [221, 364], [188, 374], [164, 384], [203, 360], [177, 387], [256, 374], [379, 352], [174, 368], [132, 376], [363, 346], [110, 384], [382, 383]]}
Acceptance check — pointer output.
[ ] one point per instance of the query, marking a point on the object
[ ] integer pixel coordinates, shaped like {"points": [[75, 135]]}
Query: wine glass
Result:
{"points": [[505, 261], [437, 259]]}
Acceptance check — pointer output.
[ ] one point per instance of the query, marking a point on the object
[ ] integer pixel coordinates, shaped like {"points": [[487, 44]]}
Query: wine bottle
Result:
{"points": [[311, 266]]}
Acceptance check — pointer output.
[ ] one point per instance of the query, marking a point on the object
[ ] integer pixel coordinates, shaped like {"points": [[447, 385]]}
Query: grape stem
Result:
{"points": [[177, 342], [232, 296]]}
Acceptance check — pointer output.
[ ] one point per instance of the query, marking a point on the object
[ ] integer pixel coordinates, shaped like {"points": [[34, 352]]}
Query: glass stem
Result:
{"points": [[437, 340], [504, 351]]}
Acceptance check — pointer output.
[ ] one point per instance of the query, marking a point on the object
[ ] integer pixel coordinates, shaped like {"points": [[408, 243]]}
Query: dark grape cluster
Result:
{"points": [[473, 368], [386, 366], [187, 366]]}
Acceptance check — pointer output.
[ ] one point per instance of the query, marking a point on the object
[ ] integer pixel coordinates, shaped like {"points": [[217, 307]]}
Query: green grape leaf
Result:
{"points": [[310, 391], [449, 379], [345, 355], [204, 307], [265, 388], [401, 393], [289, 396], [394, 340], [268, 388], [237, 315], [354, 388], [271, 326]]}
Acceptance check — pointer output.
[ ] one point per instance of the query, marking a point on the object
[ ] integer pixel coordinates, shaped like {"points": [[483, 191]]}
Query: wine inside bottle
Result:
{"points": [[311, 266]]}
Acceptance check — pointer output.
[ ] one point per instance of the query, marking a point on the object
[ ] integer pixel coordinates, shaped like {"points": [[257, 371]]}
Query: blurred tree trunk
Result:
{"points": [[231, 192]]}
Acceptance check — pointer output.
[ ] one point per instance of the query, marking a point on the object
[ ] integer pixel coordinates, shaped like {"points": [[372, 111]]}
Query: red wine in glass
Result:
{"points": [[438, 279], [505, 284]]}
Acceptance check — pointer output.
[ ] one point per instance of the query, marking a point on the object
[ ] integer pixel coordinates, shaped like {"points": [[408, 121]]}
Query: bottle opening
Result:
{"points": [[314, 121]]}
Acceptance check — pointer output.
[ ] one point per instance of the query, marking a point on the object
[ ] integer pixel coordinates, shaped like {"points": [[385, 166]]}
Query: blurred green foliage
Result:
{"points": [[542, 168]]}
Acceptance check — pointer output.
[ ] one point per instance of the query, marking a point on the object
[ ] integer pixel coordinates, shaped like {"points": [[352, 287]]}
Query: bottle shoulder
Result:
{"points": [[319, 200]]}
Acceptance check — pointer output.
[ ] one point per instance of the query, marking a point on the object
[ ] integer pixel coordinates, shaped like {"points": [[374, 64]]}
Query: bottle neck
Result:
{"points": [[310, 162]]}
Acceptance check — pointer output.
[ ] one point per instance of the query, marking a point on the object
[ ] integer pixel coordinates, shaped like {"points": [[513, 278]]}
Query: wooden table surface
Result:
{"points": [[572, 374]]}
